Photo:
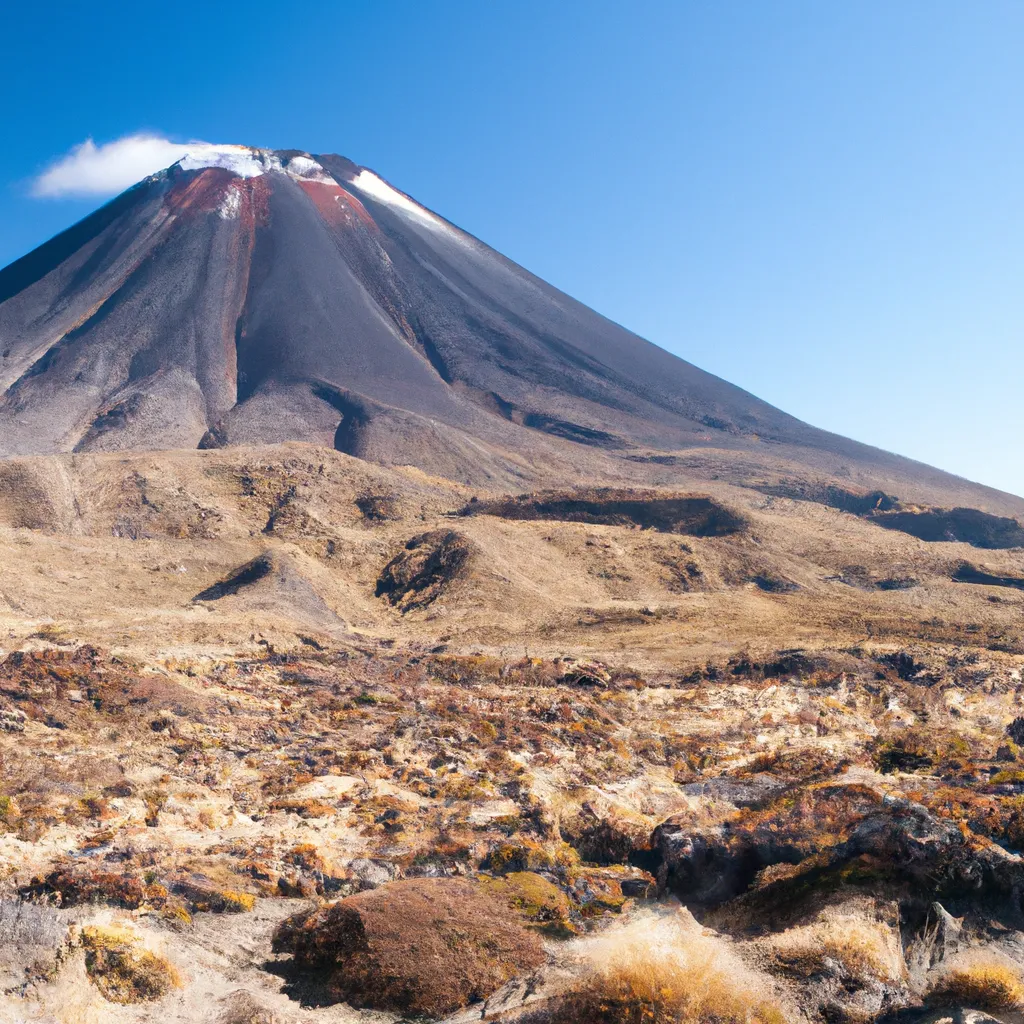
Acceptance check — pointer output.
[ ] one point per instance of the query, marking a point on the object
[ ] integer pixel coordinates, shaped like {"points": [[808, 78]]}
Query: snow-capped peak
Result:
{"points": [[246, 162], [242, 161]]}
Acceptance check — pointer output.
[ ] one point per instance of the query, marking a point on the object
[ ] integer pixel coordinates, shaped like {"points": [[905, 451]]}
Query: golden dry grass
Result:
{"points": [[122, 969], [865, 948], [555, 586], [982, 985], [667, 971]]}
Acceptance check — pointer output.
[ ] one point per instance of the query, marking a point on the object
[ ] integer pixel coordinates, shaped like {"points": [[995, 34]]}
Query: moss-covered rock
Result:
{"points": [[605, 890], [539, 901], [522, 853]]}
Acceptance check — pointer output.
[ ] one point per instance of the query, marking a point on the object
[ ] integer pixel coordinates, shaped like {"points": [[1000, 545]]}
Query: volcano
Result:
{"points": [[247, 296]]}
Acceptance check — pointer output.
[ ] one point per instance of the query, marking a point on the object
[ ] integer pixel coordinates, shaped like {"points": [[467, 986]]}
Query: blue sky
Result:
{"points": [[821, 202]]}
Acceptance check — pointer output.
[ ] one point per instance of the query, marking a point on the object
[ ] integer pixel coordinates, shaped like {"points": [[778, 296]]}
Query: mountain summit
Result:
{"points": [[247, 296]]}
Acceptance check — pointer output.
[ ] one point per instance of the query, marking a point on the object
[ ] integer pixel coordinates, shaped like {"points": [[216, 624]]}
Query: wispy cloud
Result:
{"points": [[91, 170]]}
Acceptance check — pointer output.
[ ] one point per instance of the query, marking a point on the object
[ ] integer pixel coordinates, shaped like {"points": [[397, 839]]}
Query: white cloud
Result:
{"points": [[91, 170]]}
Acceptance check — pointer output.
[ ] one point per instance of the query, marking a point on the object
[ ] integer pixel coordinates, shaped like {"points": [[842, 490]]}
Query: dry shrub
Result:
{"points": [[242, 1008], [918, 749], [75, 886], [378, 508], [696, 516], [123, 970], [307, 807], [864, 947], [204, 897], [981, 985], [421, 946], [666, 970], [419, 574]]}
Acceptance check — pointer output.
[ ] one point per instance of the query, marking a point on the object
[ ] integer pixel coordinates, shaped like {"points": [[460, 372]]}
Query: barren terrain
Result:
{"points": [[241, 683]]}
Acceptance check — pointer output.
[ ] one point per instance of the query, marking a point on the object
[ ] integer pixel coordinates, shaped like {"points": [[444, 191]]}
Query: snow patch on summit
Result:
{"points": [[304, 168], [241, 161], [245, 162]]}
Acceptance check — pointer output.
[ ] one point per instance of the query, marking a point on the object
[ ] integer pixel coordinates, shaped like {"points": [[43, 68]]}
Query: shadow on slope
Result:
{"points": [[964, 525], [697, 517], [833, 497], [271, 582], [968, 525], [967, 573]]}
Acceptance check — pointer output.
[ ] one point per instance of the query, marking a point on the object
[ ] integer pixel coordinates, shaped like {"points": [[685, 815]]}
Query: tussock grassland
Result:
{"points": [[983, 983], [865, 948], [662, 968]]}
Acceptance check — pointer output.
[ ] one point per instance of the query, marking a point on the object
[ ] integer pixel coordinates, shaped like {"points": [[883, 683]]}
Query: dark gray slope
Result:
{"points": [[307, 317], [204, 309]]}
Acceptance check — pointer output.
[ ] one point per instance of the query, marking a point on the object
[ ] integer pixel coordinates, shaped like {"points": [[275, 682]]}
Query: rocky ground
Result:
{"points": [[332, 742], [841, 823]]}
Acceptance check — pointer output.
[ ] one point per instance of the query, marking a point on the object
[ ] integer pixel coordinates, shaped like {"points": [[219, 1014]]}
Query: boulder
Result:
{"points": [[939, 938], [32, 940], [601, 838], [829, 837], [754, 791], [540, 903]]}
